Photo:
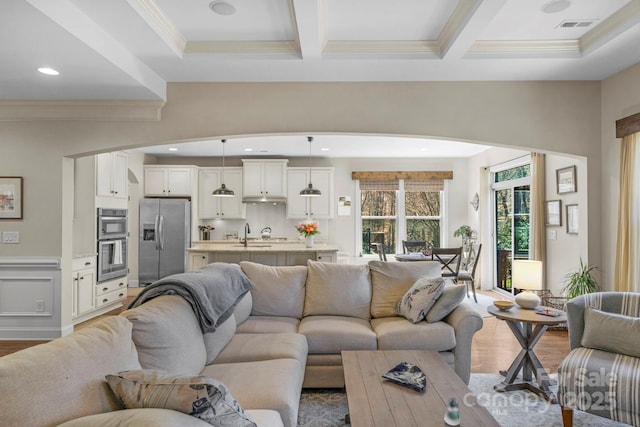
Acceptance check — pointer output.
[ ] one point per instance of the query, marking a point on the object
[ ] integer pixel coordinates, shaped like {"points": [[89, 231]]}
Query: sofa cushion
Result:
{"points": [[267, 384], [337, 290], [268, 325], [242, 310], [277, 291], [612, 332], [420, 297], [332, 334], [452, 295], [215, 341], [204, 398], [390, 281], [168, 336], [155, 417], [397, 333], [64, 379], [253, 347]]}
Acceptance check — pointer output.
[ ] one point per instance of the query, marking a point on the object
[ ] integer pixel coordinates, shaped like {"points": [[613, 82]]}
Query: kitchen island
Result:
{"points": [[268, 252]]}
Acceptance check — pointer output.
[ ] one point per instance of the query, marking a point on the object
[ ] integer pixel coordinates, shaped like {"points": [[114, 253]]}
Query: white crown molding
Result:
{"points": [[107, 110], [161, 24], [279, 47], [416, 47], [525, 48]]}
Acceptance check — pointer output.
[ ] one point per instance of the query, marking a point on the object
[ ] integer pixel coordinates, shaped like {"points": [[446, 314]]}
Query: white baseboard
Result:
{"points": [[134, 284]]}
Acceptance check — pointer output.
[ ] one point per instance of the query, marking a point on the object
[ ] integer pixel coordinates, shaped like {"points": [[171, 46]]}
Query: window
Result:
{"points": [[396, 210]]}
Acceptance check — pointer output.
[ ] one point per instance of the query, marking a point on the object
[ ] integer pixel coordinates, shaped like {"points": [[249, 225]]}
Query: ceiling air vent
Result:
{"points": [[576, 23]]}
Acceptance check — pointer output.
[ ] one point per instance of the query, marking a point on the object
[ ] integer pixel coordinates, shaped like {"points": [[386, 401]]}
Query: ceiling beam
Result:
{"points": [[403, 175], [160, 24], [309, 24], [625, 18], [72, 19]]}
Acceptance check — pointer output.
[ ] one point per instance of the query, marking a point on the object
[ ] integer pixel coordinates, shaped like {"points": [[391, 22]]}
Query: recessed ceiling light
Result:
{"points": [[173, 149], [48, 71], [556, 6], [248, 149], [324, 149], [222, 8], [425, 149]]}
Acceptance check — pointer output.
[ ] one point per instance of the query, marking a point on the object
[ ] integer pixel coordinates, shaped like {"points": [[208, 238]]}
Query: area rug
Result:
{"points": [[327, 407], [484, 301]]}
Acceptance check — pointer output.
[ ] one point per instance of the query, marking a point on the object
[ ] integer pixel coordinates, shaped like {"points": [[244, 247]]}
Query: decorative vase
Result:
{"points": [[308, 241]]}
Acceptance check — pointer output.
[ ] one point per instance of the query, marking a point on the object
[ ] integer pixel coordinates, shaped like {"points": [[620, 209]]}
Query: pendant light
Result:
{"points": [[223, 191], [310, 191]]}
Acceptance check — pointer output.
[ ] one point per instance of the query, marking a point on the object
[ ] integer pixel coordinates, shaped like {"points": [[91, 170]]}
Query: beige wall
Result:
{"points": [[560, 117], [620, 98]]}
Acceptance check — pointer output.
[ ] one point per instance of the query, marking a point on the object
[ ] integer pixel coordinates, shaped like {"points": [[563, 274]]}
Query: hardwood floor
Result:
{"points": [[494, 346]]}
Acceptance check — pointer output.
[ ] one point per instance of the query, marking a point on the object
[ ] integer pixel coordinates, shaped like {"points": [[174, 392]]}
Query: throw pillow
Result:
{"points": [[202, 397], [420, 297], [452, 296], [611, 332]]}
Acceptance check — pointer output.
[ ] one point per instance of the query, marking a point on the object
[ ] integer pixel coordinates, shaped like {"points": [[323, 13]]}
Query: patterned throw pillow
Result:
{"points": [[202, 397], [419, 299]]}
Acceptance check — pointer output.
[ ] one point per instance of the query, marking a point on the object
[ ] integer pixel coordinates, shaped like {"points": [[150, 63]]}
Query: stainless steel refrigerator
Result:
{"points": [[165, 235]]}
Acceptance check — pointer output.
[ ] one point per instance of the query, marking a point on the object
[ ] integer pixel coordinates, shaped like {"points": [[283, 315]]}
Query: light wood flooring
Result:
{"points": [[494, 346]]}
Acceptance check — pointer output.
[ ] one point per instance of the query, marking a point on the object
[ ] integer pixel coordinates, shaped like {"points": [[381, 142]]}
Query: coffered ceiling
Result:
{"points": [[130, 49]]}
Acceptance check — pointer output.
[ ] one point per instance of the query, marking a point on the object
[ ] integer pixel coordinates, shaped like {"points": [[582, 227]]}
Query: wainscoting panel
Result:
{"points": [[30, 289]]}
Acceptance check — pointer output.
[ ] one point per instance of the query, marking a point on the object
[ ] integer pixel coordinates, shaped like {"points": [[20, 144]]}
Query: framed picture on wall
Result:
{"points": [[10, 197], [572, 219], [554, 212], [566, 180]]}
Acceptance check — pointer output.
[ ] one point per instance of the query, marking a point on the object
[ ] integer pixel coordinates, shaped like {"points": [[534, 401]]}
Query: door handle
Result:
{"points": [[156, 232], [161, 232]]}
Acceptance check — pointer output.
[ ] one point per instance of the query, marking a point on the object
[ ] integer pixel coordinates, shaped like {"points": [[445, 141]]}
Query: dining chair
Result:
{"points": [[468, 273], [409, 246], [380, 249], [450, 259]]}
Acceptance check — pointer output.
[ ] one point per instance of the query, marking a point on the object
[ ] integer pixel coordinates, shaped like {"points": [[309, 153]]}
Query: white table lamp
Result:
{"points": [[527, 276]]}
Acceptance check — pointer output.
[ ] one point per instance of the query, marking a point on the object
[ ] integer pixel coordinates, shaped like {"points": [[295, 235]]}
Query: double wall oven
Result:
{"points": [[112, 244]]}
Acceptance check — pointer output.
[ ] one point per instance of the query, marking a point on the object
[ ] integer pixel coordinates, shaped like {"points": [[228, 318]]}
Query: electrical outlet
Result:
{"points": [[552, 234], [39, 306], [11, 237]]}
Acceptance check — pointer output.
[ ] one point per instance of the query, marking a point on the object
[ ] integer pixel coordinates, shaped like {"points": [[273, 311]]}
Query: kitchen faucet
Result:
{"points": [[246, 231]]}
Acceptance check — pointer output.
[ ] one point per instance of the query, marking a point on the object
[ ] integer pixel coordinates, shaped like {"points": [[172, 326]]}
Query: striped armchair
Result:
{"points": [[601, 374]]}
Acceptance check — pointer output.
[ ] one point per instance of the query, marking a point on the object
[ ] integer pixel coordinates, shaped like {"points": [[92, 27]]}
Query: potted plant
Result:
{"points": [[580, 282], [463, 231]]}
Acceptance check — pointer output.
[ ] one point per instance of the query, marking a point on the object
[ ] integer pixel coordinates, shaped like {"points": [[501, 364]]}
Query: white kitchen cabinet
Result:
{"points": [[112, 175], [84, 285], [169, 181], [197, 260], [264, 178], [210, 207], [110, 292], [319, 207], [329, 256]]}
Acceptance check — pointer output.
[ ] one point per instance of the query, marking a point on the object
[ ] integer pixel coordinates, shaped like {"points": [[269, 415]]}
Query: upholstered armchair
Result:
{"points": [[601, 374]]}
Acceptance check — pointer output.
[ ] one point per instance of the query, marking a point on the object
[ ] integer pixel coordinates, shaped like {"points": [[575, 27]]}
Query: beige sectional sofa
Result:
{"points": [[288, 331]]}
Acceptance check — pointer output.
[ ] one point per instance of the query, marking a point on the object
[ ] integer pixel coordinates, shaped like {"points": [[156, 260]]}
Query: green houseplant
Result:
{"points": [[580, 282]]}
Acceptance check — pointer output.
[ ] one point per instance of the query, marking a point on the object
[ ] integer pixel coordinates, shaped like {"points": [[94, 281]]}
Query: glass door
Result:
{"points": [[512, 209]]}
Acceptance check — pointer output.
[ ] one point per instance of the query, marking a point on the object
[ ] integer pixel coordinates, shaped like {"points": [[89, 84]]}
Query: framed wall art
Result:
{"points": [[572, 219], [566, 180], [10, 197], [554, 212]]}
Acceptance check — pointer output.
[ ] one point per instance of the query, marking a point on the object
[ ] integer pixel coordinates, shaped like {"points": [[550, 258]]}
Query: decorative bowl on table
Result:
{"points": [[504, 305]]}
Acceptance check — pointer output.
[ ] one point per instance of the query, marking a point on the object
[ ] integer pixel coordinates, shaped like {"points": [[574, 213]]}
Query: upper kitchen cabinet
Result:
{"points": [[111, 175], [319, 207], [210, 207], [264, 178], [169, 181]]}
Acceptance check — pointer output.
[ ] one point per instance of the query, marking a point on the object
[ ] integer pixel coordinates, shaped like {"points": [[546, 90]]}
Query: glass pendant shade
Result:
{"points": [[309, 191], [223, 191]]}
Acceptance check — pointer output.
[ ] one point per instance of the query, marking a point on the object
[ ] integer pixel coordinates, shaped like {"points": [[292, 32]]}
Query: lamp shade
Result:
{"points": [[527, 274]]}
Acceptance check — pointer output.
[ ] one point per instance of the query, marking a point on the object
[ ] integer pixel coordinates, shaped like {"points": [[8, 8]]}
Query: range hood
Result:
{"points": [[265, 199]]}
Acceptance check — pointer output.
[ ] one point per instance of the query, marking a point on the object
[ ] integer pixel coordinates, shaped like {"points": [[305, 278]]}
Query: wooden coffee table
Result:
{"points": [[374, 401]]}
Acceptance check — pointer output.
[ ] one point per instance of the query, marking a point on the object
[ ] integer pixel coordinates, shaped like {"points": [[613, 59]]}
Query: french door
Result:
{"points": [[512, 210]]}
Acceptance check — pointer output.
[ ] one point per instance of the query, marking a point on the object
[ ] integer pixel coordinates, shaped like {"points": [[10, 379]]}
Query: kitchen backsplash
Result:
{"points": [[259, 216]]}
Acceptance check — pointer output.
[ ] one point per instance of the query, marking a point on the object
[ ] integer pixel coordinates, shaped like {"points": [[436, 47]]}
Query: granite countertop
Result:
{"points": [[258, 245]]}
